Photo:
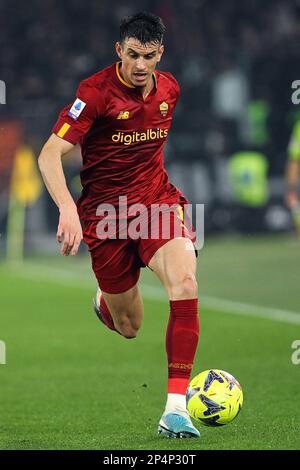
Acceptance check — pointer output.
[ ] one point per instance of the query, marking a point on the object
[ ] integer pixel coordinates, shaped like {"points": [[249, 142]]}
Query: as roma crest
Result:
{"points": [[164, 107]]}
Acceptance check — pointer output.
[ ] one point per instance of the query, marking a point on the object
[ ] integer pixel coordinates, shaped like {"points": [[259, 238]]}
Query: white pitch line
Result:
{"points": [[37, 272], [232, 307], [250, 310]]}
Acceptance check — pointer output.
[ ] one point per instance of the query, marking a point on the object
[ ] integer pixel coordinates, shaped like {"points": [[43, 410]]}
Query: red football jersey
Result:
{"points": [[122, 138]]}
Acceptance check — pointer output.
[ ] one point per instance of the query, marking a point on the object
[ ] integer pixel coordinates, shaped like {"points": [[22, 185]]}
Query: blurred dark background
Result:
{"points": [[235, 62]]}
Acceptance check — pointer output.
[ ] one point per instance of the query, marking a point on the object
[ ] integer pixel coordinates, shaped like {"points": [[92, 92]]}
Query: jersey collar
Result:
{"points": [[120, 78]]}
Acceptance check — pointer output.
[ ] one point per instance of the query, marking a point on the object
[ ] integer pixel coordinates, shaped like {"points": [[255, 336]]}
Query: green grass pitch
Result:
{"points": [[69, 383]]}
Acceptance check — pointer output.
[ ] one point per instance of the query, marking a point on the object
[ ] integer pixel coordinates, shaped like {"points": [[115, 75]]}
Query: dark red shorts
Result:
{"points": [[116, 262]]}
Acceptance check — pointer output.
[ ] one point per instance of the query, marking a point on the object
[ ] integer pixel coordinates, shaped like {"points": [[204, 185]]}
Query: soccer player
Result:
{"points": [[293, 176], [121, 118]]}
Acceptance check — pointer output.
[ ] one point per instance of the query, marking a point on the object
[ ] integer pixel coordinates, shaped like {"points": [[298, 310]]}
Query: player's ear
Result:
{"points": [[160, 52], [119, 49]]}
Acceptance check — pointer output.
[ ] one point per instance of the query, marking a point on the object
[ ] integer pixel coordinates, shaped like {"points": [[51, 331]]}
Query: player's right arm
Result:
{"points": [[50, 163], [72, 125]]}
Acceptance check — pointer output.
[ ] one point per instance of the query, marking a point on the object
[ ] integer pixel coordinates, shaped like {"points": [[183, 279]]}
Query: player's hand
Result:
{"points": [[69, 231], [292, 199]]}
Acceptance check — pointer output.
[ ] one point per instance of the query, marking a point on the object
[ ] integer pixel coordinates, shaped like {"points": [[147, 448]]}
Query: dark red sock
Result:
{"points": [[181, 343], [105, 314]]}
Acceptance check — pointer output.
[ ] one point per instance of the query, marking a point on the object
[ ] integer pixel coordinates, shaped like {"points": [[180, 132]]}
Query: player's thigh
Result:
{"points": [[175, 265], [126, 306]]}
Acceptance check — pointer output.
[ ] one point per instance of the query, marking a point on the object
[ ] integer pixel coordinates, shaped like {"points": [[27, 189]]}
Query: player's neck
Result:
{"points": [[148, 88]]}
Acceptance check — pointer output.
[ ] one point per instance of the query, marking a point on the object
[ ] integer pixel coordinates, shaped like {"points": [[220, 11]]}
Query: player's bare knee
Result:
{"points": [[185, 287], [129, 333], [125, 327], [190, 286]]}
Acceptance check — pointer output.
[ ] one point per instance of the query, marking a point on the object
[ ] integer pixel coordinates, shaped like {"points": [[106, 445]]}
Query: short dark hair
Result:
{"points": [[145, 27]]}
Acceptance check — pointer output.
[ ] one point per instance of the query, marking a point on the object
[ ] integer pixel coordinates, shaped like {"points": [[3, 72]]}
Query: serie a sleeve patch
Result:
{"points": [[76, 109]]}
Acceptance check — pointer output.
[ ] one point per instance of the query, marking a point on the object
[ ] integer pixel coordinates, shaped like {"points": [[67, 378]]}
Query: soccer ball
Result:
{"points": [[214, 397]]}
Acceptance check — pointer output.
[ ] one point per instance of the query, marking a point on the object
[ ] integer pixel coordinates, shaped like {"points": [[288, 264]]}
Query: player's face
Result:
{"points": [[138, 60]]}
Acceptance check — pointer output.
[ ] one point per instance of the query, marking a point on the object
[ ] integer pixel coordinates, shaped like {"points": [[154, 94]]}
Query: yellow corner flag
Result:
{"points": [[25, 189], [26, 183]]}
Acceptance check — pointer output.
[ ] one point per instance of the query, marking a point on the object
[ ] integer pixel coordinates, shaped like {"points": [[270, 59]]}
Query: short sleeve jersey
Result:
{"points": [[122, 137]]}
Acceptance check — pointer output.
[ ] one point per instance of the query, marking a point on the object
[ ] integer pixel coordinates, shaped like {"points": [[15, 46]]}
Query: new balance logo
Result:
{"points": [[123, 115]]}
